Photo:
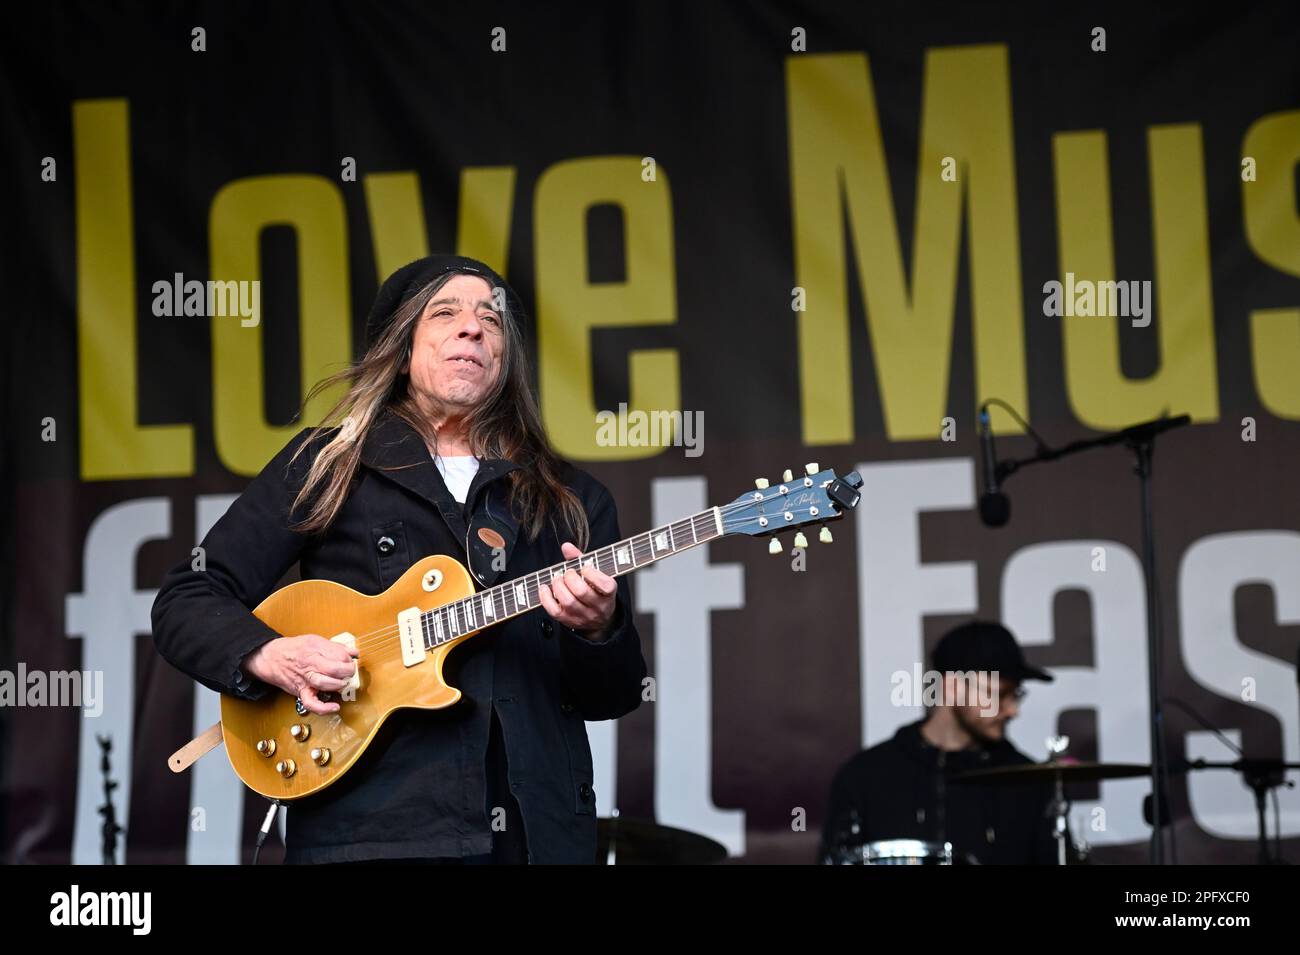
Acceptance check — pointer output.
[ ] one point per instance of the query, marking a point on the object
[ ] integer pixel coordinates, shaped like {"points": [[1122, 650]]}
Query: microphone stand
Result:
{"points": [[1260, 775], [1140, 439]]}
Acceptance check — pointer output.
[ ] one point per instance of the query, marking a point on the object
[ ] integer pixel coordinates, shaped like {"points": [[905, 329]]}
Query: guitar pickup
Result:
{"points": [[349, 692], [410, 633]]}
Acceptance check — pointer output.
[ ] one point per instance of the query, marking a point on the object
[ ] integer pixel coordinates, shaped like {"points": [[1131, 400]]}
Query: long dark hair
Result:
{"points": [[506, 425]]}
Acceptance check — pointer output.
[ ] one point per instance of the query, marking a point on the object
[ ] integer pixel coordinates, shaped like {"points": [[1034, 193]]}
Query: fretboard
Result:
{"points": [[491, 606]]}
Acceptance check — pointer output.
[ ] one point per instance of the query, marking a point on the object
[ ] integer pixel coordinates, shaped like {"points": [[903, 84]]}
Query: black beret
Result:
{"points": [[399, 288]]}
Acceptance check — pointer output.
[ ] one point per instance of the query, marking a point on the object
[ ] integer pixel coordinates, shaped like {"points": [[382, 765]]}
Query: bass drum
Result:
{"points": [[900, 852]]}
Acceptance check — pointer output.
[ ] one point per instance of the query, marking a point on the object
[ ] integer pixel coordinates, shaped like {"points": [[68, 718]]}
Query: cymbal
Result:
{"points": [[638, 842], [1069, 772]]}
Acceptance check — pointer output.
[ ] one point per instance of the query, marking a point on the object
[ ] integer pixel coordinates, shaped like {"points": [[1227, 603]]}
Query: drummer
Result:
{"points": [[901, 788]]}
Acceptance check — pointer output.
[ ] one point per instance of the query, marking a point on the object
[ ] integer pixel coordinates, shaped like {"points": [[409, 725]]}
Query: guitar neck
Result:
{"points": [[519, 596]]}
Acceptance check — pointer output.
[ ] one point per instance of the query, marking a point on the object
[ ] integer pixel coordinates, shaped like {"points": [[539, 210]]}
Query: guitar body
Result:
{"points": [[285, 768]]}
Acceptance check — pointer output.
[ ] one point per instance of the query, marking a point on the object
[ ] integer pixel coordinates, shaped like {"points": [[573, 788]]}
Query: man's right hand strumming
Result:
{"points": [[304, 666]]}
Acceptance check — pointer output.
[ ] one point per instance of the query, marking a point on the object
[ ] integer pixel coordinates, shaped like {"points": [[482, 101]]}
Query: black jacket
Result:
{"points": [[419, 791], [900, 789]]}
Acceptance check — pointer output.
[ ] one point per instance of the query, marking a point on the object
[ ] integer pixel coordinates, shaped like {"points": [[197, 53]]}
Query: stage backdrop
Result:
{"points": [[817, 233]]}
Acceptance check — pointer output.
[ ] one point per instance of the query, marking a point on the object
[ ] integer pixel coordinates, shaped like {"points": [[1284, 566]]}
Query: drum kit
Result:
{"points": [[898, 852], [851, 849], [624, 841]]}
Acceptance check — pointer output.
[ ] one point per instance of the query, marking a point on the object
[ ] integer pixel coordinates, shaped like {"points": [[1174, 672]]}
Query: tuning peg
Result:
{"points": [[825, 535], [774, 547], [760, 483], [787, 475], [811, 467], [800, 540]]}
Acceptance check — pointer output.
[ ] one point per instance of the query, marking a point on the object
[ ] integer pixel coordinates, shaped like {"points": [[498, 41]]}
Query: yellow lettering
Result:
{"points": [[835, 139], [113, 445], [569, 306], [1101, 396], [1273, 232], [312, 206]]}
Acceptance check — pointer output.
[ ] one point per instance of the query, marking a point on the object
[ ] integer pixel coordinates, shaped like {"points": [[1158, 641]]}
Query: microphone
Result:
{"points": [[995, 507]]}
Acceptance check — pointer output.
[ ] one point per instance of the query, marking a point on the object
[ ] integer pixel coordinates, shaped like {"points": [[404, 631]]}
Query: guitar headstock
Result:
{"points": [[815, 497]]}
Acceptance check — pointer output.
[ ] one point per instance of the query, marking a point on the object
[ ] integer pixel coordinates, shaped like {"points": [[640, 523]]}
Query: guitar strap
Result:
{"points": [[199, 746], [493, 530]]}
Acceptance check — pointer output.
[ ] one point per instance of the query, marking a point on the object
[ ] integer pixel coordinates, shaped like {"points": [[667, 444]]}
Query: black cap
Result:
{"points": [[984, 646], [402, 285]]}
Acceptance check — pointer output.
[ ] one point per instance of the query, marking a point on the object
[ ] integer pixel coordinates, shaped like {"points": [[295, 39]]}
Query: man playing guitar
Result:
{"points": [[438, 449]]}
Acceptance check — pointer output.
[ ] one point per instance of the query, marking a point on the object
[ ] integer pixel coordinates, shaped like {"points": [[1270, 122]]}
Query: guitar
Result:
{"points": [[404, 634]]}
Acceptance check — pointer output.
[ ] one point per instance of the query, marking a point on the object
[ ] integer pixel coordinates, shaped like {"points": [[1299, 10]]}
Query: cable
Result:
{"points": [[1042, 445], [1204, 722], [266, 828]]}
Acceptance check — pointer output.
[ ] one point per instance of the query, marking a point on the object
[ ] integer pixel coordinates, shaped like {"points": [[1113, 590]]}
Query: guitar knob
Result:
{"points": [[825, 535], [286, 767], [300, 732], [787, 475], [811, 467], [760, 483], [266, 747], [320, 756], [800, 540], [775, 546]]}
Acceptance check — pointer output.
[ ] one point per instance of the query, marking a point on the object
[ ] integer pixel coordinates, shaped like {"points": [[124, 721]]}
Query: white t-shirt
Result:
{"points": [[458, 473]]}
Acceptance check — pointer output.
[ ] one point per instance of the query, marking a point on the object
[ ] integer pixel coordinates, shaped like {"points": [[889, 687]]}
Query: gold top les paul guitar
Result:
{"points": [[404, 634]]}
